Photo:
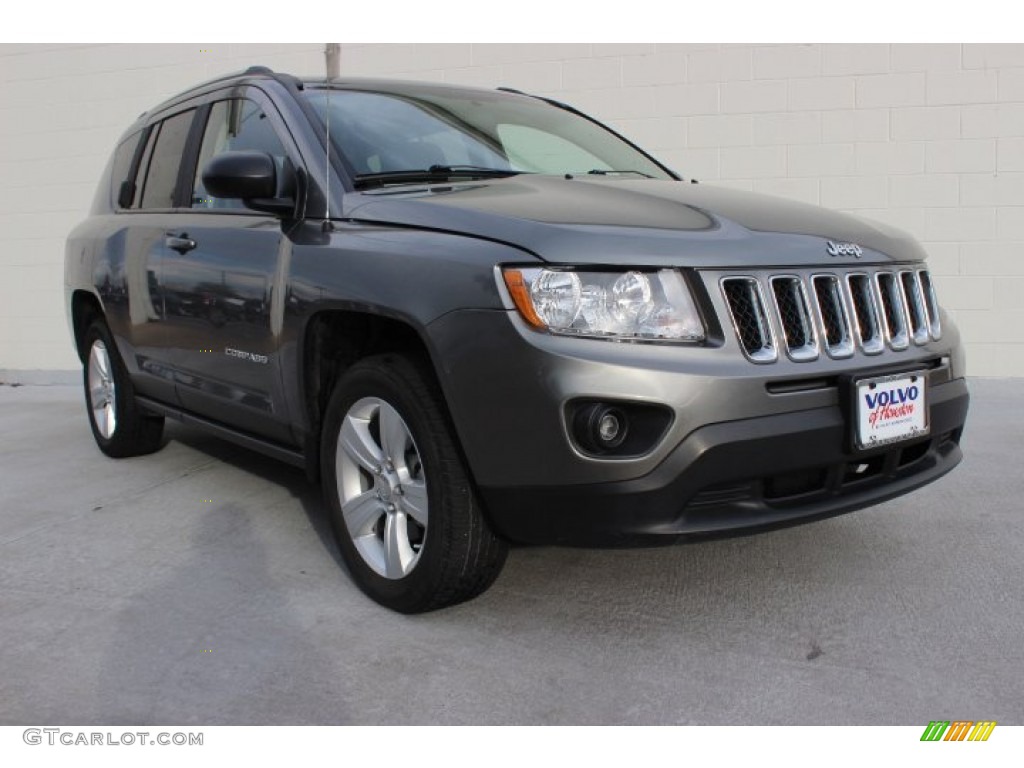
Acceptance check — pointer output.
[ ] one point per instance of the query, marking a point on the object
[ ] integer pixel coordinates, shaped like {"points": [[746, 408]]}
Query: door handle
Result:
{"points": [[182, 244]]}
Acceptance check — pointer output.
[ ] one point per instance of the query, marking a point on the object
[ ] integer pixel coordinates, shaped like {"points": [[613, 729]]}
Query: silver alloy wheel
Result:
{"points": [[102, 390], [382, 487]]}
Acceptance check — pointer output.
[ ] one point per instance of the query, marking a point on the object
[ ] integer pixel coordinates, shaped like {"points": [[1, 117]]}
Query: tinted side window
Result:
{"points": [[122, 189], [162, 174], [234, 125]]}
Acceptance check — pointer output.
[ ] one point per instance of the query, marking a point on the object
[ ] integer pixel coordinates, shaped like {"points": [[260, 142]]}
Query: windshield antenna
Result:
{"points": [[327, 180], [332, 56]]}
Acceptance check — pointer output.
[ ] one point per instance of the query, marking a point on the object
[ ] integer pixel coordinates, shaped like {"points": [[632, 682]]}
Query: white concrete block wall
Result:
{"points": [[62, 108], [929, 138]]}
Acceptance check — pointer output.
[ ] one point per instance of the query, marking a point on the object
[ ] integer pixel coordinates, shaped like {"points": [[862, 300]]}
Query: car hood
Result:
{"points": [[605, 220]]}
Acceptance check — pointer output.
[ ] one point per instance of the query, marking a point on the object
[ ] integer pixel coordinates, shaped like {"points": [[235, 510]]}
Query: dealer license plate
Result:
{"points": [[891, 409]]}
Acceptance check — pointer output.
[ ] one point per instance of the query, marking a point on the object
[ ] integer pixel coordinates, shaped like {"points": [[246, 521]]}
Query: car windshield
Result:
{"points": [[462, 132]]}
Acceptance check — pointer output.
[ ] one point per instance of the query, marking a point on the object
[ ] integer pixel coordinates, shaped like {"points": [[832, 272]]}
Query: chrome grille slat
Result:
{"points": [[843, 313], [931, 304], [894, 313], [750, 318], [835, 322], [794, 314], [917, 316], [867, 321]]}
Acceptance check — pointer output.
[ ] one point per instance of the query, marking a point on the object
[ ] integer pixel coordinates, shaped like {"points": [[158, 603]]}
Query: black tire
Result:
{"points": [[459, 556], [134, 432]]}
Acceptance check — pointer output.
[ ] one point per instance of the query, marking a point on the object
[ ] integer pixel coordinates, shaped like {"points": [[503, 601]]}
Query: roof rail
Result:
{"points": [[254, 70], [289, 81]]}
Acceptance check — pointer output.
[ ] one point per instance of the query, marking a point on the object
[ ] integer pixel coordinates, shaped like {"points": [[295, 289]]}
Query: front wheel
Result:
{"points": [[404, 512]]}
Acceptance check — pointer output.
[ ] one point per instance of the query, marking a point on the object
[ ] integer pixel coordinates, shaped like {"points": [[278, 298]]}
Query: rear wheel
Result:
{"points": [[119, 426], [403, 510]]}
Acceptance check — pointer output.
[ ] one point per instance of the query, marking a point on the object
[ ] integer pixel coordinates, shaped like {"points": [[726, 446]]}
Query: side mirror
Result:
{"points": [[247, 176]]}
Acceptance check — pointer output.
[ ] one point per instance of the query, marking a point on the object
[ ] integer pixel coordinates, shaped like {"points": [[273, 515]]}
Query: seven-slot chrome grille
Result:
{"points": [[806, 314]]}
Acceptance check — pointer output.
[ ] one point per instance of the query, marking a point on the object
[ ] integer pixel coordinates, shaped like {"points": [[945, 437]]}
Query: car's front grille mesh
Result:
{"points": [[837, 313]]}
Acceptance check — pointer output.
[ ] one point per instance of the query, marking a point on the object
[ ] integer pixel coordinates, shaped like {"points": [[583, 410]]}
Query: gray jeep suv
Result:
{"points": [[482, 316]]}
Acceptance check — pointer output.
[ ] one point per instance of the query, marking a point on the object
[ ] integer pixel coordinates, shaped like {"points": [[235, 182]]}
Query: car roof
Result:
{"points": [[400, 87]]}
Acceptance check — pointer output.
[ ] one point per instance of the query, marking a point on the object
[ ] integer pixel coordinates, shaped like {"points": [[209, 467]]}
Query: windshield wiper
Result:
{"points": [[433, 173], [611, 172]]}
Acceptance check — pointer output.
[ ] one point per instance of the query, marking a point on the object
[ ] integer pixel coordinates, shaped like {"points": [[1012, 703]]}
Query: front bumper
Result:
{"points": [[738, 476]]}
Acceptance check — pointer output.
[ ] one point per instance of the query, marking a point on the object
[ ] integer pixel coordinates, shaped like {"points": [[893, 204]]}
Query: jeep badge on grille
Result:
{"points": [[843, 249]]}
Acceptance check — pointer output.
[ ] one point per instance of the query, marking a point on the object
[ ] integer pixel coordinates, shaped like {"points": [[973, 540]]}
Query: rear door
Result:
{"points": [[145, 203]]}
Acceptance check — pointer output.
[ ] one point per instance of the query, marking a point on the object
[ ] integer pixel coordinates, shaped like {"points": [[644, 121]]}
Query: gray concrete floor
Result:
{"points": [[200, 586]]}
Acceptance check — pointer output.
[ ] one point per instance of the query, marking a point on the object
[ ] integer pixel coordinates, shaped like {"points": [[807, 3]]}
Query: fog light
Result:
{"points": [[620, 430], [601, 428], [609, 428]]}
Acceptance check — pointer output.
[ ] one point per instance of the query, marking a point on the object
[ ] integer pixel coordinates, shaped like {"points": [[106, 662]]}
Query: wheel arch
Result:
{"points": [[85, 306], [332, 341]]}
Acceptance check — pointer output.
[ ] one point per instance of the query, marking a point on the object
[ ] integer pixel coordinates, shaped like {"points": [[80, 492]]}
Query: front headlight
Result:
{"points": [[634, 305]]}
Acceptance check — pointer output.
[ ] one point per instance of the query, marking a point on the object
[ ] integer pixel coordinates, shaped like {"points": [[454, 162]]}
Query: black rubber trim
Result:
{"points": [[190, 157], [657, 508]]}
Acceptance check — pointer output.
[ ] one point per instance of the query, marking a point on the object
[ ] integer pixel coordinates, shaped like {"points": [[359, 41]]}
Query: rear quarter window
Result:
{"points": [[122, 180]]}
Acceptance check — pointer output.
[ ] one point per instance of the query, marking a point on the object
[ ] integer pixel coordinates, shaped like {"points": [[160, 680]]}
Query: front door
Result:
{"points": [[220, 279]]}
